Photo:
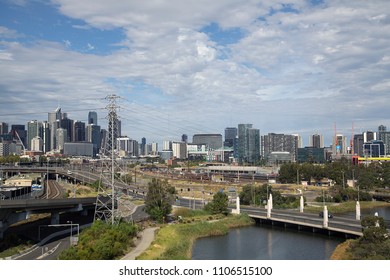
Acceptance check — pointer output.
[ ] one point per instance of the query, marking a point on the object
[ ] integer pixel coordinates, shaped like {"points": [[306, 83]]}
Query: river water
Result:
{"points": [[266, 242]]}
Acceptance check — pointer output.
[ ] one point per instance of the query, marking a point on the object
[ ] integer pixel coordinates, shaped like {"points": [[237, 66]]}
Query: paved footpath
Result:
{"points": [[147, 237]]}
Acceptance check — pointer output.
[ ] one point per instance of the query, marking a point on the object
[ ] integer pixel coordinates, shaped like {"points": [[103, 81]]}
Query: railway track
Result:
{"points": [[52, 191]]}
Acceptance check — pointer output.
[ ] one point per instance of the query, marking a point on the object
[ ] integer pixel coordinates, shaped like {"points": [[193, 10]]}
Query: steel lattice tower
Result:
{"points": [[106, 208]]}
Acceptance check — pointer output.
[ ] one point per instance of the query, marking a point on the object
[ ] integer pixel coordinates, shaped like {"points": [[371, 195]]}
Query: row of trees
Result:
{"points": [[369, 177], [258, 195], [375, 242]]}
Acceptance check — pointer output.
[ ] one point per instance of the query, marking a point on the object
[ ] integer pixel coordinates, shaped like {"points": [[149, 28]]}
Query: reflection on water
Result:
{"points": [[264, 242]]}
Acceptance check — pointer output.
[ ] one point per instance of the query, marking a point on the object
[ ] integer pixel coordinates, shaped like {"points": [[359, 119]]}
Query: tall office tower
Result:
{"points": [[184, 138], [119, 126], [154, 148], [242, 142], [298, 139], [179, 150], [167, 145], [103, 140], [384, 136], [339, 145], [358, 142], [374, 148], [54, 116], [21, 131], [113, 129], [67, 124], [92, 118], [34, 128], [248, 143], [143, 146], [46, 136], [316, 141], [230, 135], [37, 144], [123, 144], [213, 141], [3, 128], [54, 119], [369, 136], [94, 136], [61, 138], [253, 145], [279, 143], [134, 148], [78, 131]]}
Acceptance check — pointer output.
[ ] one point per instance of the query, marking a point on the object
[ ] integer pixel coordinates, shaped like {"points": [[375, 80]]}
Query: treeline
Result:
{"points": [[368, 177], [374, 244], [258, 195]]}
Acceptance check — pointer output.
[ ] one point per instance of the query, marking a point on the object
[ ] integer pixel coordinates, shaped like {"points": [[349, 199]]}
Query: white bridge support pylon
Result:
{"points": [[357, 210], [301, 204], [325, 216]]}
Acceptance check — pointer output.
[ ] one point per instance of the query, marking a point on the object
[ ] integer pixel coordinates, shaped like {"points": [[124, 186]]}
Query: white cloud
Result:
{"points": [[316, 62], [90, 47], [67, 43]]}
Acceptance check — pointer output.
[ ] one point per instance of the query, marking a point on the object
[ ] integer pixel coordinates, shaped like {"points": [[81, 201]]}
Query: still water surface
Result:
{"points": [[266, 242]]}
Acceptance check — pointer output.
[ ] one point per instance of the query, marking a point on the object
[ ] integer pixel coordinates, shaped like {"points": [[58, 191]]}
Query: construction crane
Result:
{"points": [[21, 142]]}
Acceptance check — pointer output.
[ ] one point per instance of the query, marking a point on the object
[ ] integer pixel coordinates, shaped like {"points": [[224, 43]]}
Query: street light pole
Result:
{"points": [[71, 230]]}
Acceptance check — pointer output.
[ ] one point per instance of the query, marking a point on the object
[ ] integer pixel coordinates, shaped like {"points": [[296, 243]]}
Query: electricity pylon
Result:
{"points": [[106, 207]]}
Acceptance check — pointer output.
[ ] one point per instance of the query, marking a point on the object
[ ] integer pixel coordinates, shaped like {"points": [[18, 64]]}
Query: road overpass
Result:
{"points": [[13, 211], [312, 222]]}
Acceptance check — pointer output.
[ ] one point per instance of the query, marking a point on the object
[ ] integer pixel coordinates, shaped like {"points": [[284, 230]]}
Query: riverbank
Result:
{"points": [[174, 242]]}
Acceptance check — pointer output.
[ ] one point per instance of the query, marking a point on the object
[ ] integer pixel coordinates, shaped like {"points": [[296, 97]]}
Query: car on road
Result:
{"points": [[330, 215]]}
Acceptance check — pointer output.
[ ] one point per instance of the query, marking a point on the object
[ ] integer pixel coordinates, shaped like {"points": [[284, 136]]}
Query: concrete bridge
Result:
{"points": [[300, 220]]}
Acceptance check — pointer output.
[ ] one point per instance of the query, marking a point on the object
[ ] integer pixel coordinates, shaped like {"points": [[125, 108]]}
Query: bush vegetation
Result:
{"points": [[102, 242]]}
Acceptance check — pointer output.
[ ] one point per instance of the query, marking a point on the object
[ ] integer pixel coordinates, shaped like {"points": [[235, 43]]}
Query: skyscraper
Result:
{"points": [[248, 144], [143, 146], [369, 136], [34, 129], [274, 142], [54, 119], [242, 142], [316, 141], [67, 124], [384, 136], [94, 136], [230, 135], [358, 142], [213, 141], [3, 128], [78, 131], [92, 118]]}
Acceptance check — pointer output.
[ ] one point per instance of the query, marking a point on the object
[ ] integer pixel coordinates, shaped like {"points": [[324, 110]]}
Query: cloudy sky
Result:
{"points": [[199, 66]]}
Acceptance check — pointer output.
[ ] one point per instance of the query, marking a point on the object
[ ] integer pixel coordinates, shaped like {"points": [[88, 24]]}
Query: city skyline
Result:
{"points": [[199, 67], [346, 141]]}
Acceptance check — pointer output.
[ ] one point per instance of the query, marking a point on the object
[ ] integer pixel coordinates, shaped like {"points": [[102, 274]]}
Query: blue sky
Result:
{"points": [[198, 66]]}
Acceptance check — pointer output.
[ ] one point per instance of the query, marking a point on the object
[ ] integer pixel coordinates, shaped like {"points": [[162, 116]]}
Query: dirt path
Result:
{"points": [[147, 237]]}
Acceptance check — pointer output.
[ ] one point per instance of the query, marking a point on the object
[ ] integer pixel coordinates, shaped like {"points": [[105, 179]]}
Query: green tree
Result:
{"points": [[127, 178], [375, 242], [288, 173], [219, 204], [159, 199]]}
